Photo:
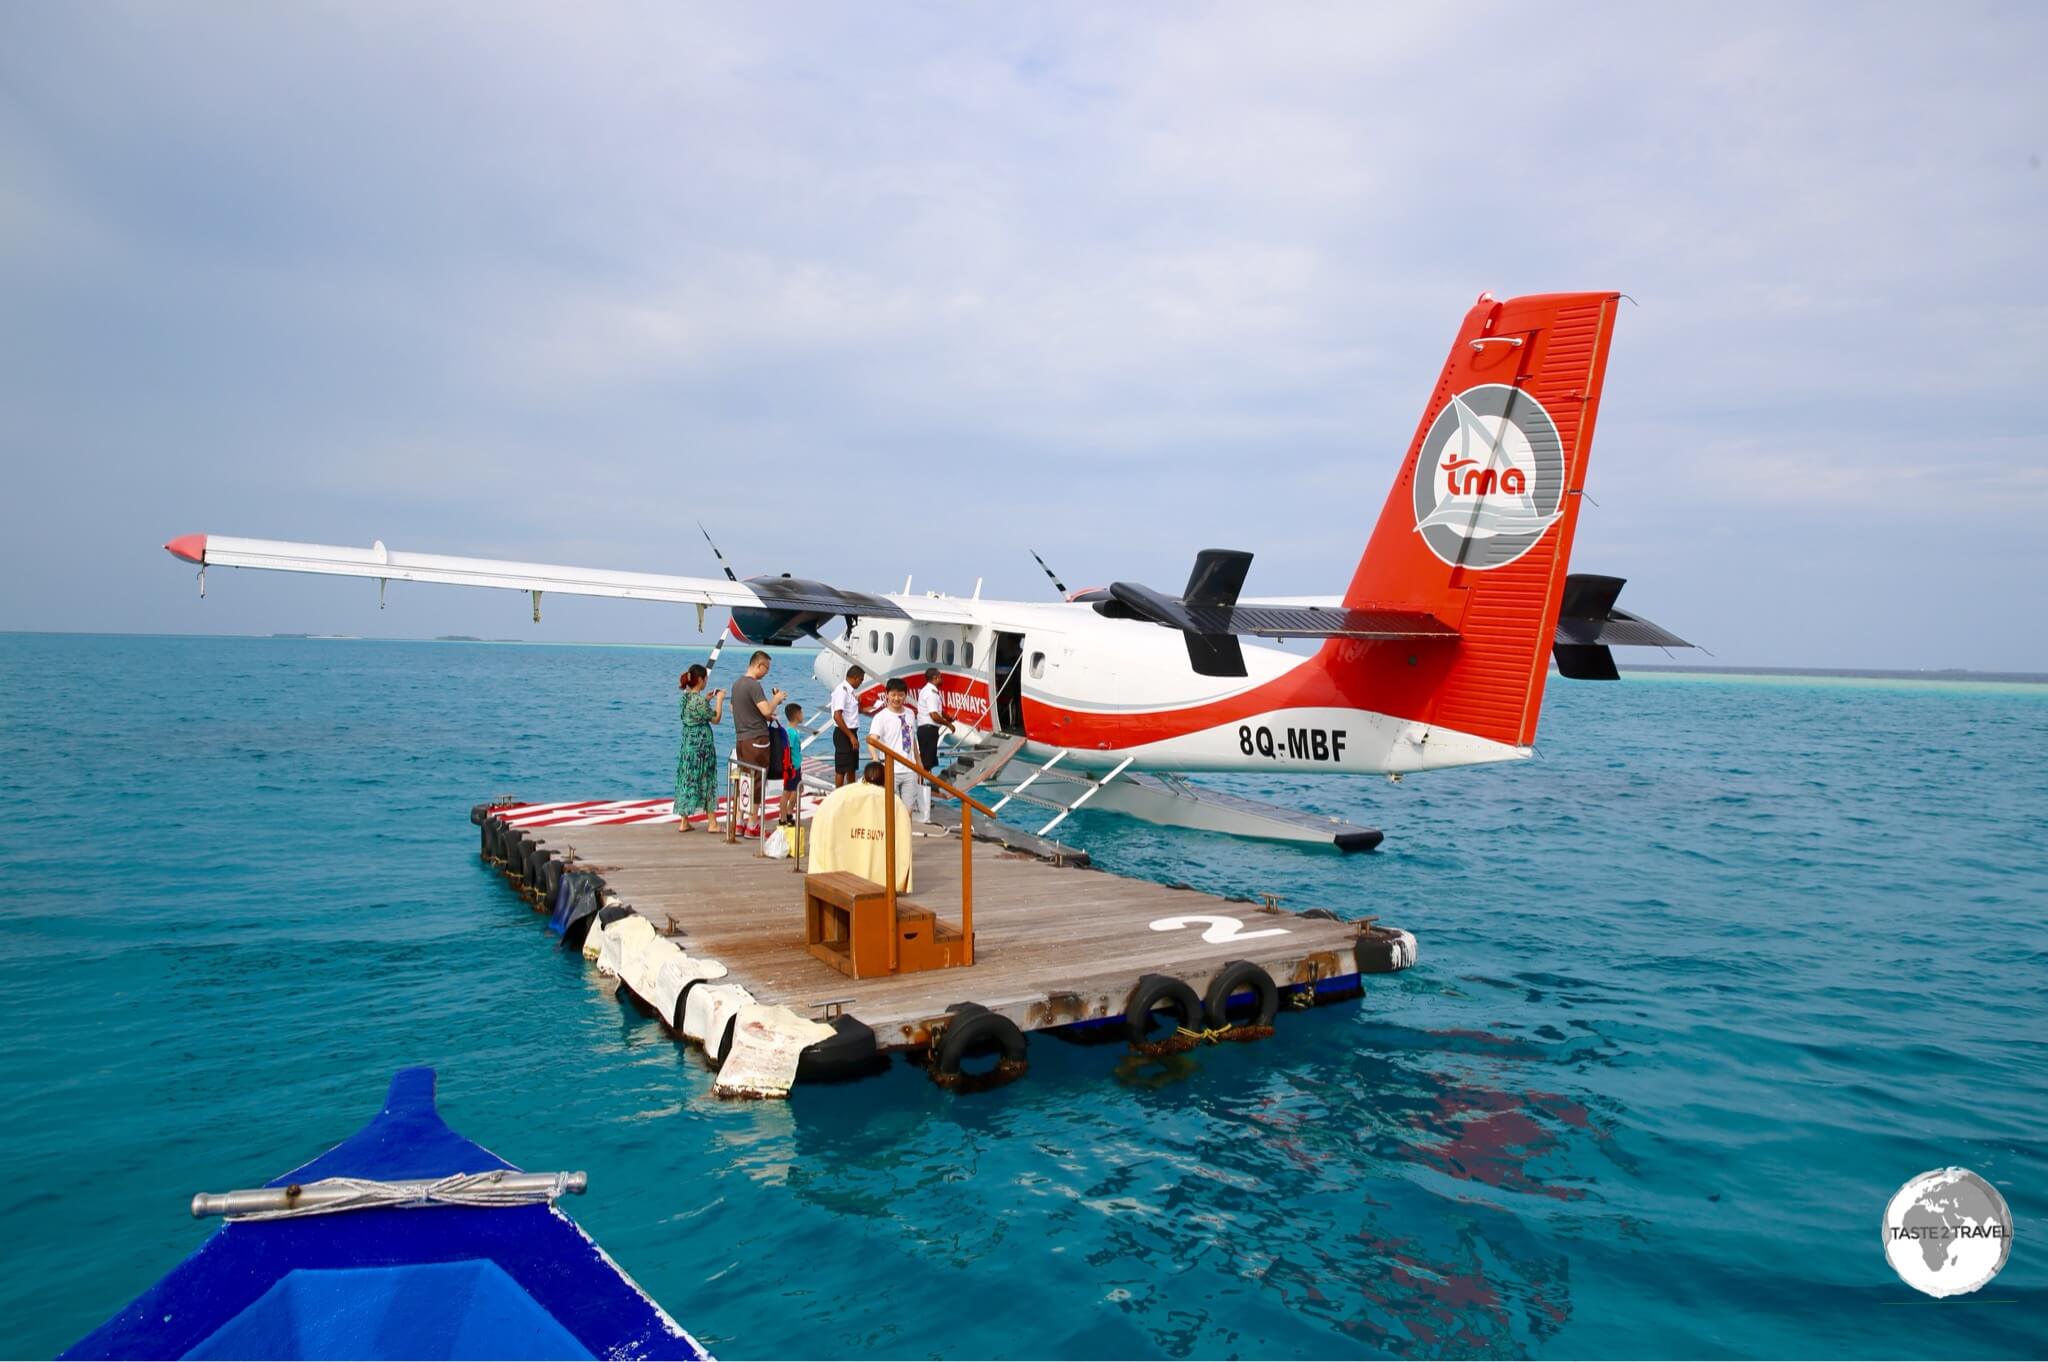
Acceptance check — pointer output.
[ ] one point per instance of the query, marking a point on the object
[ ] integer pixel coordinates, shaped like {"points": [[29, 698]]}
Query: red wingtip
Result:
{"points": [[190, 547]]}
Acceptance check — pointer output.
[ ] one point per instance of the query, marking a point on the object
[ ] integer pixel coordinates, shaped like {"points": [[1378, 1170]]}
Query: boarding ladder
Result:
{"points": [[1089, 791], [974, 766]]}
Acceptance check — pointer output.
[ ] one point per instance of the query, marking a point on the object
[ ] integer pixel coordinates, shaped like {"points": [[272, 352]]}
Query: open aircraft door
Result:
{"points": [[1007, 677]]}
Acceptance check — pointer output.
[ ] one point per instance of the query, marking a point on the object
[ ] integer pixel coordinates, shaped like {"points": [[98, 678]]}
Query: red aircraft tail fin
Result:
{"points": [[1478, 527]]}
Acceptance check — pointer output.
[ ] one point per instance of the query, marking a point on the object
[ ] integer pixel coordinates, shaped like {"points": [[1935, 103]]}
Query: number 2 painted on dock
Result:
{"points": [[1220, 930]]}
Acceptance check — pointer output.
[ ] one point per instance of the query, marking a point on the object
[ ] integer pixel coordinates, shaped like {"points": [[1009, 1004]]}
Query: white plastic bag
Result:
{"points": [[777, 845]]}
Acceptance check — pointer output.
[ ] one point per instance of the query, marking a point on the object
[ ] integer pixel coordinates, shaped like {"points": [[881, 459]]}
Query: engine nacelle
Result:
{"points": [[779, 626]]}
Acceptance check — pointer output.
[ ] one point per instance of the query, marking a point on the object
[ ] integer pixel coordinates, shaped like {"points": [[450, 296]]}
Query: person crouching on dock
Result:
{"points": [[697, 766]]}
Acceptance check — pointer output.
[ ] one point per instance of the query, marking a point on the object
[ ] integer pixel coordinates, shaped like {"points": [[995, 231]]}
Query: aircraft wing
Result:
{"points": [[782, 595]]}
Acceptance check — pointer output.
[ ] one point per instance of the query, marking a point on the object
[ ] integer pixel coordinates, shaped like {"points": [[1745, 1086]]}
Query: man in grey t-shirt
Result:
{"points": [[751, 706]]}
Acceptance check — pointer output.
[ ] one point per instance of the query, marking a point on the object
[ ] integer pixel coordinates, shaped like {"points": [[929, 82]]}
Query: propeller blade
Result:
{"points": [[730, 575], [1057, 584], [711, 662]]}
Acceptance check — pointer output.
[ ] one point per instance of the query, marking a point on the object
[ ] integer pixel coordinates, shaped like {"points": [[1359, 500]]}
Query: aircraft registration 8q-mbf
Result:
{"points": [[1435, 654]]}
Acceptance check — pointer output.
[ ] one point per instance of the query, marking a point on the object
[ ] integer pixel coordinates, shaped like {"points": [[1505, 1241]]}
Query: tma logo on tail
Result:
{"points": [[1491, 477]]}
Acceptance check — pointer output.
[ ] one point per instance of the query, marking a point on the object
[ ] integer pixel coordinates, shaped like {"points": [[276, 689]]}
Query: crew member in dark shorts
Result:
{"points": [[931, 716], [751, 707], [846, 727]]}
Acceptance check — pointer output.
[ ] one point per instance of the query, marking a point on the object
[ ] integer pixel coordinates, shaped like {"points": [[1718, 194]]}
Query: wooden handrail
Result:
{"points": [[940, 781], [968, 804]]}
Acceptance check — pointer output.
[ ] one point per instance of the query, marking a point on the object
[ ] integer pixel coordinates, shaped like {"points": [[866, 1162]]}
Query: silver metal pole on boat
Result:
{"points": [[316, 1196]]}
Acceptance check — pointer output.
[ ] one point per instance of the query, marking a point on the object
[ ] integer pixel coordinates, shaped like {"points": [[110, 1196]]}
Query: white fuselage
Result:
{"points": [[1104, 689]]}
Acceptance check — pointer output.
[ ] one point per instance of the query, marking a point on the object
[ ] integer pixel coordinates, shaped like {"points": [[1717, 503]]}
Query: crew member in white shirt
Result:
{"points": [[931, 717], [895, 726], [845, 706]]}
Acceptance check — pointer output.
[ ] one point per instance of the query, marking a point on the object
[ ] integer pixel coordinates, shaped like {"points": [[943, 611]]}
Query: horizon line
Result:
{"points": [[1706, 669]]}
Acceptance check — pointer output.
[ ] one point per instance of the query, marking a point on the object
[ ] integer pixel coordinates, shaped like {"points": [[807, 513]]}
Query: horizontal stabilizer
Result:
{"points": [[1619, 629], [1588, 624], [1316, 621]]}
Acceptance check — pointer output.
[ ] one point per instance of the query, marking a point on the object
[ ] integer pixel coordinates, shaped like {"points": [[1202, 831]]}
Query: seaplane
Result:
{"points": [[1435, 655]]}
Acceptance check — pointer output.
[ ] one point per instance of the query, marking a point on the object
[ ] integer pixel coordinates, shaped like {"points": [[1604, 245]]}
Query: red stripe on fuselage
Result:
{"points": [[1305, 686], [963, 696], [1333, 678], [1330, 679]]}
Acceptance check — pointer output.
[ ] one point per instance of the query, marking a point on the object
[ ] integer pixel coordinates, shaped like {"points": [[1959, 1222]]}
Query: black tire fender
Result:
{"points": [[1383, 950], [849, 1052], [732, 1024], [477, 812], [675, 1022], [1234, 978], [578, 932], [975, 1030], [1157, 992]]}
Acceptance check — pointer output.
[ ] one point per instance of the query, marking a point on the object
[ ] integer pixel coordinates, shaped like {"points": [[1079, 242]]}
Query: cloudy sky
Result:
{"points": [[556, 282]]}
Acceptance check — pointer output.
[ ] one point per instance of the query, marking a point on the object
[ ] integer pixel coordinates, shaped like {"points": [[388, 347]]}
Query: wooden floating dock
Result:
{"points": [[1058, 944]]}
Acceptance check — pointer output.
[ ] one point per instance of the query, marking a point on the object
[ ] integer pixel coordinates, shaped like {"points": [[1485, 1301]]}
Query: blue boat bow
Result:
{"points": [[438, 1281]]}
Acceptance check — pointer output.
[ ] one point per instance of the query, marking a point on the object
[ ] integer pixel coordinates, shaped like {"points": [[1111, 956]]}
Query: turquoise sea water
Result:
{"points": [[1699, 989]]}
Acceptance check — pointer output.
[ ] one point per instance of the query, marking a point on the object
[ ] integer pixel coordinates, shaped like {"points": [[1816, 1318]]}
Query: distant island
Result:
{"points": [[1930, 674]]}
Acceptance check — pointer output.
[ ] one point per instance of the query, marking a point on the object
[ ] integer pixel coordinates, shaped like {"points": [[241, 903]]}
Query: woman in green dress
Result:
{"points": [[697, 767]]}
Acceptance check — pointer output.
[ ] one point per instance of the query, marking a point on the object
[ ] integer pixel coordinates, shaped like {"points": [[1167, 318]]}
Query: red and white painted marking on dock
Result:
{"points": [[604, 813]]}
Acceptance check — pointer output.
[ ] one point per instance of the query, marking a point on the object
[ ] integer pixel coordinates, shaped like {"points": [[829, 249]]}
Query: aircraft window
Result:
{"points": [[890, 640], [915, 644], [874, 641], [967, 654], [949, 652], [1038, 664]]}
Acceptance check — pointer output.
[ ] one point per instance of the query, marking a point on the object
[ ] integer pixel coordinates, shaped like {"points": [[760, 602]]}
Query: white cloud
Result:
{"points": [[431, 261]]}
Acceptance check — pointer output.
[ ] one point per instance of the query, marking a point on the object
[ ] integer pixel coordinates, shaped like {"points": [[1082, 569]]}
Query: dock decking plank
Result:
{"points": [[1053, 944]]}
